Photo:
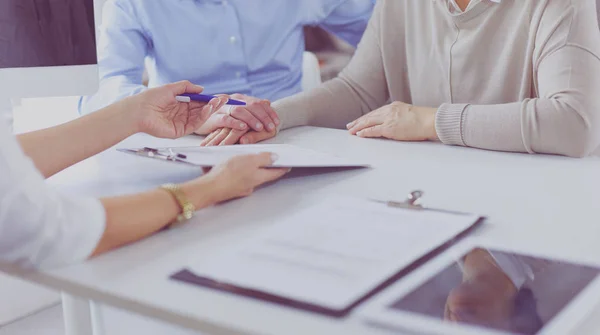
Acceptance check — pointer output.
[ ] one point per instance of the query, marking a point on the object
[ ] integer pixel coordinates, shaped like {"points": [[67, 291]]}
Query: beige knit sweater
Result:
{"points": [[519, 75]]}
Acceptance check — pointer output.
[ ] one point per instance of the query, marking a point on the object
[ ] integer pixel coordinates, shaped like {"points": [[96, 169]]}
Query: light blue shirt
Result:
{"points": [[253, 47]]}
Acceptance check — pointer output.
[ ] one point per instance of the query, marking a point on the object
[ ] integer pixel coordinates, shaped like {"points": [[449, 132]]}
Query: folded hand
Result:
{"points": [[397, 121]]}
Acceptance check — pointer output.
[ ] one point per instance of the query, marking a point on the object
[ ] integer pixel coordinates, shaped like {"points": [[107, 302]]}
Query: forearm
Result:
{"points": [[563, 119], [57, 148], [331, 105], [533, 126], [360, 88], [131, 218]]}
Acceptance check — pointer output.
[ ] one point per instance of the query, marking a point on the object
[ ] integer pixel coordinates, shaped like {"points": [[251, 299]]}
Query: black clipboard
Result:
{"points": [[411, 203]]}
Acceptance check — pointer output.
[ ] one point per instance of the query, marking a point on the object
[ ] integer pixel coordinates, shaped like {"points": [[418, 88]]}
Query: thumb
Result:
{"points": [[264, 159], [185, 86], [255, 137]]}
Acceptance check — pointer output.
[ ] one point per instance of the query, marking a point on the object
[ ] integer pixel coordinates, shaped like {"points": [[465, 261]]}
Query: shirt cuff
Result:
{"points": [[514, 268], [449, 121]]}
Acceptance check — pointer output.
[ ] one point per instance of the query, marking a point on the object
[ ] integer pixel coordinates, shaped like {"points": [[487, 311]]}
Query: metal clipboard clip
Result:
{"points": [[412, 201], [165, 154]]}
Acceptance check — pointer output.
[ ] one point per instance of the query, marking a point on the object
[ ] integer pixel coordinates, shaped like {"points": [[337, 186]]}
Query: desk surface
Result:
{"points": [[541, 203]]}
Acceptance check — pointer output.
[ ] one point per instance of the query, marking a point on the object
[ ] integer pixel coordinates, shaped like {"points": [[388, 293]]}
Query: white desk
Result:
{"points": [[547, 204]]}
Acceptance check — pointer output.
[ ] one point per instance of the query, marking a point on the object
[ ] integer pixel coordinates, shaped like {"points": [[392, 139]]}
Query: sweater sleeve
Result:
{"points": [[564, 118], [359, 89]]}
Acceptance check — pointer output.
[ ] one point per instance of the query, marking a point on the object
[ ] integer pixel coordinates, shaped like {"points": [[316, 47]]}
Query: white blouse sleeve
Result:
{"points": [[39, 227]]}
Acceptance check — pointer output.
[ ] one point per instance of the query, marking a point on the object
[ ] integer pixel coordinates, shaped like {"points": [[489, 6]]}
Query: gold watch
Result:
{"points": [[187, 208]]}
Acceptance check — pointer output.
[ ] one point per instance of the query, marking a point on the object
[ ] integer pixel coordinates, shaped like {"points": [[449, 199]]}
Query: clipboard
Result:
{"points": [[412, 203], [290, 156]]}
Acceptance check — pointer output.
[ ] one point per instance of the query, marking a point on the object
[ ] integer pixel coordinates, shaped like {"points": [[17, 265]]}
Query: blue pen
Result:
{"points": [[188, 97]]}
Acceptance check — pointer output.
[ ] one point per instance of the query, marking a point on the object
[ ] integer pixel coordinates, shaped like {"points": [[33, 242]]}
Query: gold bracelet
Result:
{"points": [[187, 208]]}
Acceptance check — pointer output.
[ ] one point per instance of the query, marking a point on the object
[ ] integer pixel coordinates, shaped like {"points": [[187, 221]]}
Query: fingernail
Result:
{"points": [[210, 109], [288, 170], [277, 122], [243, 125], [274, 157], [349, 125], [244, 141], [271, 126], [259, 126]]}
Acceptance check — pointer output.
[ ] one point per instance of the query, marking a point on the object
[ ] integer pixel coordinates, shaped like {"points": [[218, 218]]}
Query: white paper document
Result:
{"points": [[333, 253], [289, 155]]}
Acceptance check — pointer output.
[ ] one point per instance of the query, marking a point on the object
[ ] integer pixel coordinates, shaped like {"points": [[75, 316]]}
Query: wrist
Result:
{"points": [[116, 117], [202, 192], [429, 124], [130, 113]]}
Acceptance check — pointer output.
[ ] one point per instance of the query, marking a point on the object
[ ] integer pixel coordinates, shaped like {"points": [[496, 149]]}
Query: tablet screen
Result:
{"points": [[500, 291]]}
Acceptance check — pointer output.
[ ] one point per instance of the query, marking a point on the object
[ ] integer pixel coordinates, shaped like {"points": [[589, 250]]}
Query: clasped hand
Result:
{"points": [[158, 113]]}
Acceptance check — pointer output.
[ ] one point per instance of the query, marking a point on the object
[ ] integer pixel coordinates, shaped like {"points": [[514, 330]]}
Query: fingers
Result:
{"points": [[233, 137], [366, 121], [268, 175], [255, 137], [184, 86], [264, 159], [218, 103], [210, 137], [257, 113], [377, 114], [376, 131], [353, 123], [219, 137], [263, 112], [226, 121], [271, 112], [245, 115]]}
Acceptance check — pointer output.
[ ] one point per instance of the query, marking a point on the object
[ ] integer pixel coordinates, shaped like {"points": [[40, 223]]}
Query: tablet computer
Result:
{"points": [[477, 288]]}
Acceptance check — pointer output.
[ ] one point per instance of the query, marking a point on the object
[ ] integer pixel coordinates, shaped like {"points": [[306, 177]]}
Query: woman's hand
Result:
{"points": [[256, 115], [158, 113], [397, 121], [223, 136], [241, 175], [228, 136]]}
